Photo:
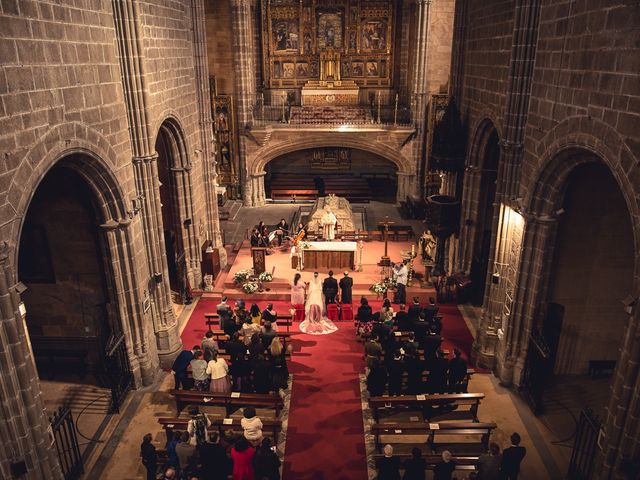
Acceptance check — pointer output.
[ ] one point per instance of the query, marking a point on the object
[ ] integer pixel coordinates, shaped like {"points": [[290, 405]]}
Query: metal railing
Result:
{"points": [[65, 438], [585, 446]]}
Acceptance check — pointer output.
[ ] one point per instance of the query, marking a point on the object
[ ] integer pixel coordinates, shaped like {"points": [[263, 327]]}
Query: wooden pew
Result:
{"points": [[466, 463], [448, 429], [212, 318], [427, 402], [231, 401], [219, 335], [273, 426]]}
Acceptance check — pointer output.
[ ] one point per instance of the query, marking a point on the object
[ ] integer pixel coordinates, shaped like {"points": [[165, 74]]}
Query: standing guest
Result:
{"points": [[377, 379], [261, 369], [242, 456], [149, 457], [209, 345], [382, 330], [197, 427], [239, 368], [396, 370], [214, 460], [297, 292], [444, 469], [249, 329], [179, 367], [414, 467], [489, 463], [252, 426], [255, 314], [282, 230], [219, 371], [364, 319], [511, 459], [402, 277], [169, 474], [255, 348], [346, 284], [199, 372], [270, 314], [457, 373], [330, 288], [386, 313], [389, 465], [266, 463], [228, 323], [372, 350], [438, 369], [223, 306], [186, 454], [278, 363], [402, 319], [171, 450], [436, 324], [430, 310], [421, 328], [415, 309], [414, 373], [431, 344], [410, 346], [268, 334], [240, 312]]}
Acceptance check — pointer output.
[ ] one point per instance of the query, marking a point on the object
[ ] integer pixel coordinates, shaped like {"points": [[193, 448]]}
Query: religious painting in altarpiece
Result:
{"points": [[297, 32]]}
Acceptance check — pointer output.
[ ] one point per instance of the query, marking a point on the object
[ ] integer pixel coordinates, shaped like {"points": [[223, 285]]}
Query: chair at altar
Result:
{"points": [[298, 316], [347, 312], [332, 312]]}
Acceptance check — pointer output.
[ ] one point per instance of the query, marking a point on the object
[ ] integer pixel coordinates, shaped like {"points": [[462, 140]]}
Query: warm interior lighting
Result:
{"points": [[343, 128]]}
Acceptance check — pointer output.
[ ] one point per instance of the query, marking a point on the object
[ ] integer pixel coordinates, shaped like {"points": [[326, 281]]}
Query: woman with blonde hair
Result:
{"points": [[278, 366]]}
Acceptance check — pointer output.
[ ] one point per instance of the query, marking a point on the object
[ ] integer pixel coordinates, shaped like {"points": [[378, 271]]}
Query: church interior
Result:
{"points": [[400, 236]]}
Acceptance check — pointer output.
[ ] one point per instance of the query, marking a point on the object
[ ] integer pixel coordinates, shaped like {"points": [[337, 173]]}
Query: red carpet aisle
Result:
{"points": [[325, 438]]}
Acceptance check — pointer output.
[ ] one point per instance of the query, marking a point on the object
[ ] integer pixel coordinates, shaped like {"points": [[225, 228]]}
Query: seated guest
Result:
{"points": [[377, 379], [255, 238], [208, 345], [489, 463], [364, 319], [438, 369], [386, 313], [223, 306], [430, 310], [415, 309], [402, 319], [372, 350], [255, 314], [270, 314], [248, 329], [214, 460], [199, 372], [186, 454], [389, 465], [457, 372], [268, 334], [266, 462], [445, 468], [414, 467], [252, 426], [396, 370]]}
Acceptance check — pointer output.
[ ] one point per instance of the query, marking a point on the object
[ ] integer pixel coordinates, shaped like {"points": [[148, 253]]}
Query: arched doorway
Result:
{"points": [[176, 220], [487, 164], [64, 265]]}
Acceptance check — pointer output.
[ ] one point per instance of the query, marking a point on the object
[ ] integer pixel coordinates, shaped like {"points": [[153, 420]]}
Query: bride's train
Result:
{"points": [[315, 321]]}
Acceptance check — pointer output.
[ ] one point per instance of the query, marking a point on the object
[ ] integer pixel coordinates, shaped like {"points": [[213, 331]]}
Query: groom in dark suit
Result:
{"points": [[346, 283], [330, 288]]}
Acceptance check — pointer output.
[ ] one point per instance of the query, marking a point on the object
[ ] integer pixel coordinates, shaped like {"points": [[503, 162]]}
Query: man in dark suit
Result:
{"points": [[421, 328], [179, 367], [330, 288], [437, 378], [346, 283], [457, 373], [430, 310], [511, 459], [431, 344], [402, 319], [414, 310]]}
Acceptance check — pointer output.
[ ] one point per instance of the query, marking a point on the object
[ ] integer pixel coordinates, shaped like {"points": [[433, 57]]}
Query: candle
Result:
{"points": [[413, 250]]}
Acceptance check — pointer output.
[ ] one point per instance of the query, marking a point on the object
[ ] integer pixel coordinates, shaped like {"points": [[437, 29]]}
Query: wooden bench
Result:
{"points": [[427, 403], [435, 431], [600, 367], [231, 401], [212, 318], [273, 426], [465, 463], [219, 335]]}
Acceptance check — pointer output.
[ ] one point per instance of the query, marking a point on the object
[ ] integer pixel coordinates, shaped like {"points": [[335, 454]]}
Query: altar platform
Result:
{"points": [[324, 255]]}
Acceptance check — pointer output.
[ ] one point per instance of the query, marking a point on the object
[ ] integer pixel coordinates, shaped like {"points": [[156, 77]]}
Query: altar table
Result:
{"points": [[325, 255]]}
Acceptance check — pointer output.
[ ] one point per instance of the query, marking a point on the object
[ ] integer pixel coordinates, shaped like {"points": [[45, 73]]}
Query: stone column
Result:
{"points": [[23, 421], [207, 140], [126, 20], [457, 57], [244, 82]]}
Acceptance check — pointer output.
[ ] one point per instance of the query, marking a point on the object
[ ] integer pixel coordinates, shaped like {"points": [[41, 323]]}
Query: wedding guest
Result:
{"points": [[255, 314], [267, 333], [199, 372], [415, 467], [270, 314], [266, 462], [278, 363], [149, 456], [252, 426], [297, 290], [219, 371], [179, 367], [377, 379], [444, 469], [489, 463], [214, 460], [208, 345], [402, 319], [457, 372], [512, 458], [389, 465], [242, 456], [364, 319], [386, 313], [249, 329], [396, 370]]}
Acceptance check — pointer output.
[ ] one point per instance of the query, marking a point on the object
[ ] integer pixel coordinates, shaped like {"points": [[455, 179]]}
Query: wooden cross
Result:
{"points": [[385, 258]]}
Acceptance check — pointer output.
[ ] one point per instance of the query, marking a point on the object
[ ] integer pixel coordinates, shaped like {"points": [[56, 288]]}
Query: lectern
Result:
{"points": [[259, 256]]}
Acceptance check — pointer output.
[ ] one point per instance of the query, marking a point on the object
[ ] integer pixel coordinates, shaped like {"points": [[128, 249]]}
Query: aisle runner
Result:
{"points": [[325, 438]]}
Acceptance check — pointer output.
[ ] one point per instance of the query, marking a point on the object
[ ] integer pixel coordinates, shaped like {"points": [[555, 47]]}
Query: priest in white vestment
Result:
{"points": [[328, 222]]}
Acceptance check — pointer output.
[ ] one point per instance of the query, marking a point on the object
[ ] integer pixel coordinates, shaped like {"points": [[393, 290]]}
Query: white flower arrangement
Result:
{"points": [[379, 288], [265, 277], [241, 276], [250, 287], [303, 245]]}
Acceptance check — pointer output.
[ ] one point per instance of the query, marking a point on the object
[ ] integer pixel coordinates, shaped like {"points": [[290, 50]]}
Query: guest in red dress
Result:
{"points": [[242, 455]]}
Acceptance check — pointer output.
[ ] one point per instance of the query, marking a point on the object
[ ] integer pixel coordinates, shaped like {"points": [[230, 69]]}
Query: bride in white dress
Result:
{"points": [[315, 319]]}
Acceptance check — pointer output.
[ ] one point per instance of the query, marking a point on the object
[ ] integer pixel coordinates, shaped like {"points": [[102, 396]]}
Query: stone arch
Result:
{"points": [[171, 124], [481, 133]]}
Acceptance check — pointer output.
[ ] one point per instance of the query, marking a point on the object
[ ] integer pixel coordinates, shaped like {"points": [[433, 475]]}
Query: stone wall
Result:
{"points": [[220, 44]]}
